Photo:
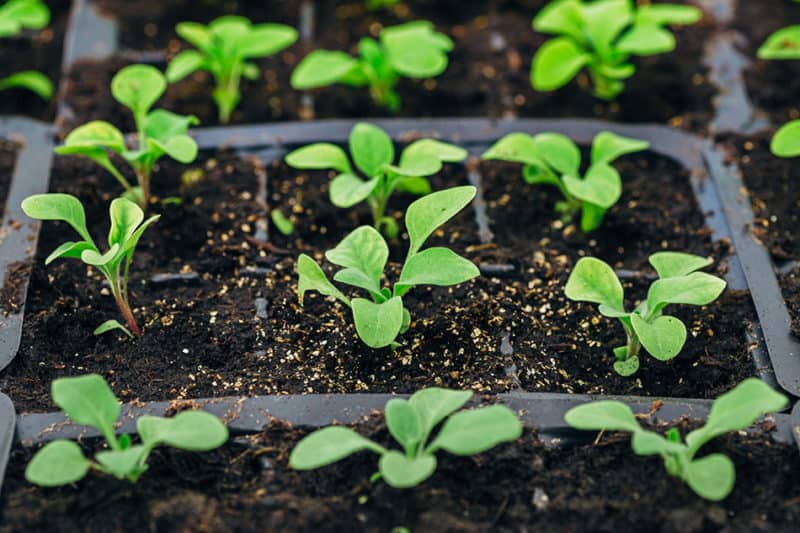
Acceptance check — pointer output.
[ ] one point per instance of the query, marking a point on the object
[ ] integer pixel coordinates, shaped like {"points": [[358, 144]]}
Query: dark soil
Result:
{"points": [[8, 160], [775, 197], [34, 50], [248, 486], [773, 84], [790, 283]]}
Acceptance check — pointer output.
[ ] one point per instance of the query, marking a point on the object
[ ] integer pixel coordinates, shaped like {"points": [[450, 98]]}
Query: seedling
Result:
{"points": [[223, 49], [786, 141], [784, 44], [411, 422], [663, 336], [601, 36], [373, 153], [127, 227], [16, 16], [711, 477], [363, 255], [413, 49], [374, 5], [89, 401], [160, 132], [552, 158]]}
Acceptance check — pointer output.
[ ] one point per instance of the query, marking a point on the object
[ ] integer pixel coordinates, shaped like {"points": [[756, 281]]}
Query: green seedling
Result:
{"points": [[552, 158], [711, 477], [223, 49], [282, 222], [374, 5], [413, 49], [784, 44], [602, 36], [662, 336], [16, 16], [411, 423], [160, 132], [363, 255], [89, 401], [786, 141], [127, 227], [373, 153]]}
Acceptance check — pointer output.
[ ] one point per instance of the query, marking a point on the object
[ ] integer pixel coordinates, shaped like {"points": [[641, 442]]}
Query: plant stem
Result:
{"points": [[125, 308]]}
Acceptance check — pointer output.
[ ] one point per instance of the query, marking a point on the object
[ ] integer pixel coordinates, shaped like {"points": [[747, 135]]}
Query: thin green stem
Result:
{"points": [[124, 306]]}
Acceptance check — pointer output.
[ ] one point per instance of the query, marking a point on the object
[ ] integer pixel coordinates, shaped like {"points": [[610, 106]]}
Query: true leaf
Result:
{"points": [[672, 264], [712, 476], [87, 400], [58, 206], [347, 190], [698, 288], [431, 211], [189, 430], [60, 462], [322, 67], [433, 404], [378, 325], [556, 63], [371, 148], [138, 87], [404, 423], [608, 146], [437, 266], [364, 249], [592, 280], [663, 338], [786, 141], [606, 415], [328, 445], [477, 430], [402, 472], [319, 156], [311, 277]]}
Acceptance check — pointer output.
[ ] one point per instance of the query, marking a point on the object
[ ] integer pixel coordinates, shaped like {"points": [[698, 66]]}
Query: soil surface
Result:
{"points": [[247, 486], [790, 283], [34, 50], [488, 75], [773, 85], [8, 160], [236, 327]]}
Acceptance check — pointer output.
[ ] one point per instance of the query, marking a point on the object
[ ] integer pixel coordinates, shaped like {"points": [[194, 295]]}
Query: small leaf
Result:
{"points": [[95, 134], [562, 17], [663, 338], [347, 190], [608, 146], [786, 142], [181, 148], [418, 186], [35, 82], [668, 14], [184, 64], [111, 325], [58, 206], [165, 125], [431, 211], [371, 148], [650, 443], [311, 277], [72, 250], [608, 415], [329, 445], [94, 258], [698, 288], [124, 463], [673, 264], [436, 266], [282, 222], [592, 280], [646, 40], [422, 164], [365, 250], [321, 68], [477, 430], [88, 400], [378, 325], [195, 33], [60, 462], [402, 472], [416, 50], [404, 424], [711, 477], [442, 151], [627, 367], [195, 431], [559, 152], [517, 148], [125, 218], [268, 39], [602, 186], [783, 44], [556, 62], [434, 404], [138, 87], [319, 156]]}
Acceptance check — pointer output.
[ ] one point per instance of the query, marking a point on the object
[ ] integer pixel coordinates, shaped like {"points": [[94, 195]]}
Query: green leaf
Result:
{"points": [[195, 431], [517, 148], [608, 415], [89, 401], [663, 338], [60, 462], [592, 280], [130, 244], [282, 222], [321, 68], [267, 39], [672, 264], [434, 404], [184, 64], [125, 218], [124, 463], [436, 266], [364, 250], [404, 424], [603, 21], [646, 40], [371, 148], [416, 50], [95, 258], [29, 14], [559, 152], [556, 62], [418, 186], [444, 152], [431, 211], [195, 33], [698, 288], [72, 250], [182, 148], [422, 164], [561, 17], [312, 278], [786, 142], [477, 430], [378, 324], [138, 87], [92, 135], [591, 216], [403, 472], [650, 443], [627, 367], [783, 44], [29, 79], [608, 146], [58, 206], [165, 125], [602, 185], [711, 477], [111, 325], [347, 190], [329, 445], [319, 156], [668, 14]]}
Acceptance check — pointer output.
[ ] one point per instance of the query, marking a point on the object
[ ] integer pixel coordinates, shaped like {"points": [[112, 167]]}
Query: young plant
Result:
{"points": [[16, 16], [646, 326], [363, 255], [374, 5], [601, 36], [373, 153], [127, 227], [411, 423], [551, 158], [784, 44], [223, 49], [160, 132], [413, 49], [89, 401], [711, 477]]}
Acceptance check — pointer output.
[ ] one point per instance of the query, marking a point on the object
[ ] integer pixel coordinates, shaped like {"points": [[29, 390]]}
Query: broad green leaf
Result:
{"points": [[111, 325], [663, 338], [603, 20], [561, 17], [627, 367], [125, 218], [322, 67], [592, 280], [559, 152], [517, 148], [123, 463], [477, 430], [184, 64], [378, 325], [650, 443], [601, 186], [786, 142], [357, 278], [404, 424], [402, 472], [421, 164], [445, 152], [195, 33], [72, 250], [608, 146], [698, 288], [672, 264], [413, 185], [783, 44], [195, 431], [94, 134], [165, 125], [668, 14], [711, 477], [431, 211], [365, 250], [370, 148], [434, 404], [319, 156], [646, 40], [31, 80], [138, 87], [89, 401], [329, 445], [95, 258], [58, 206], [181, 148], [267, 39], [416, 50], [29, 14], [556, 62], [347, 190], [436, 266], [312, 278], [600, 415], [60, 462]]}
